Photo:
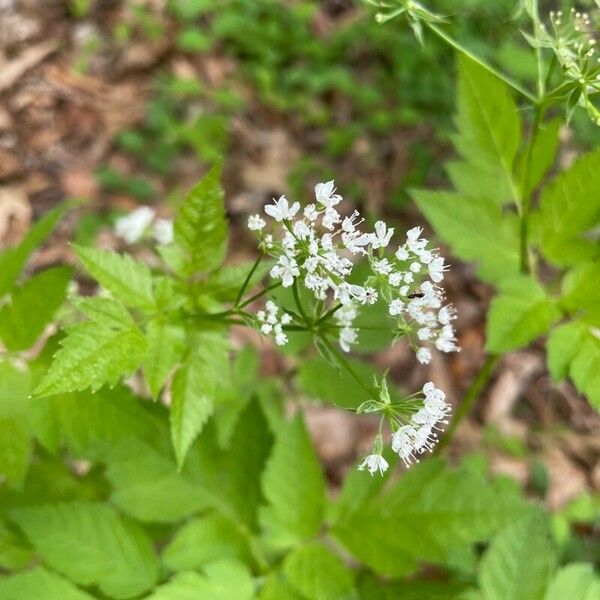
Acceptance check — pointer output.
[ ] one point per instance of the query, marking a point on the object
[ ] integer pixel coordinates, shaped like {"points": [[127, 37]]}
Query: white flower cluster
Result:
{"points": [[272, 324], [414, 434], [132, 227], [419, 435], [318, 246]]}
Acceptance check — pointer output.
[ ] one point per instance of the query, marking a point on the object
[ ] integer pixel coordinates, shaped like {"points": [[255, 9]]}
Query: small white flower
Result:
{"points": [[446, 315], [355, 241], [437, 268], [325, 194], [395, 279], [331, 218], [424, 356], [402, 253], [256, 223], [382, 267], [374, 463], [396, 307], [286, 270], [310, 212], [348, 337], [382, 235], [163, 231], [132, 227], [281, 210]]}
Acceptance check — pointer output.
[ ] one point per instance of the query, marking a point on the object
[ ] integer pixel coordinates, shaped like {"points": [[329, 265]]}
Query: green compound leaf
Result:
{"points": [[223, 285], [223, 580], [432, 511], [124, 277], [475, 229], [574, 351], [201, 227], [40, 583], [318, 574], [95, 353], [519, 314], [489, 128], [166, 344], [519, 561], [13, 260], [569, 209], [92, 545], [147, 485], [294, 487], [32, 306], [581, 292], [203, 540], [193, 390], [578, 580]]}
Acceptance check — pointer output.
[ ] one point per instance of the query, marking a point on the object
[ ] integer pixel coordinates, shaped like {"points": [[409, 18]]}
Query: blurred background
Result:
{"points": [[126, 103]]}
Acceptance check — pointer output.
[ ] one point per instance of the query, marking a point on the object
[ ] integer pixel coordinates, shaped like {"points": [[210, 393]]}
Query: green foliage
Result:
{"points": [[91, 545], [430, 512], [574, 581], [40, 583], [489, 127], [294, 487], [128, 280], [166, 344], [519, 561], [95, 352], [519, 314], [201, 227], [32, 306], [569, 209]]}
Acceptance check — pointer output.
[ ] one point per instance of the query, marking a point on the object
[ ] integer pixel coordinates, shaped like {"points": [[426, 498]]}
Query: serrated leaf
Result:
{"points": [[470, 181], [294, 487], [193, 390], [519, 314], [574, 351], [519, 561], [475, 229], [224, 580], [147, 485], [318, 574], [166, 344], [232, 476], [15, 448], [91, 545], [94, 353], [543, 156], [205, 539], [429, 513], [13, 260], [578, 580], [40, 583], [581, 292], [32, 306], [89, 425], [127, 279], [200, 226], [488, 123], [569, 209]]}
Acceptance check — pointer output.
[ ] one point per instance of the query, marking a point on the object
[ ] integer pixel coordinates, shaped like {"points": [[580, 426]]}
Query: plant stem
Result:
{"points": [[299, 304], [259, 295], [469, 400], [247, 280], [457, 46], [345, 364], [527, 193], [329, 313]]}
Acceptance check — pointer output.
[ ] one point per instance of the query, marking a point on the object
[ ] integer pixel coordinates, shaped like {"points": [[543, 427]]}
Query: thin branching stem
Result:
{"points": [[247, 280]]}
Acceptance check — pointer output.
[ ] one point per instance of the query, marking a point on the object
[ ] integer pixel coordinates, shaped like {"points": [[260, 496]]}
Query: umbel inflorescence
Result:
{"points": [[317, 247]]}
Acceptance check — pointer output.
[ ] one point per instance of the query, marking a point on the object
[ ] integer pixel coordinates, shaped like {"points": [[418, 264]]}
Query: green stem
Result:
{"points": [[247, 280], [344, 363], [457, 46], [259, 295], [469, 400], [299, 304], [527, 193], [328, 314]]}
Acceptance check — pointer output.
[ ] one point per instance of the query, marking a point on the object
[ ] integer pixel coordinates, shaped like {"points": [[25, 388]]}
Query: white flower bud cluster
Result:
{"points": [[132, 227], [318, 247], [420, 435], [271, 324]]}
